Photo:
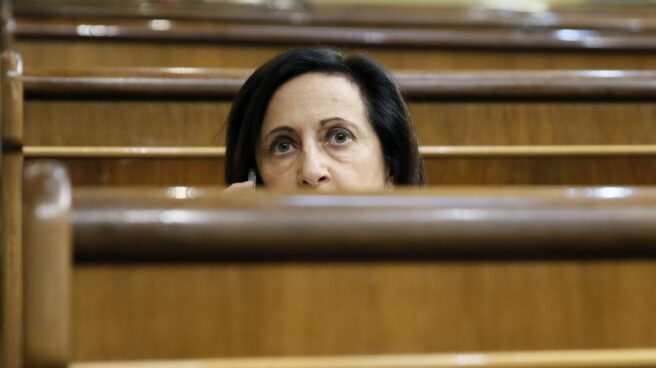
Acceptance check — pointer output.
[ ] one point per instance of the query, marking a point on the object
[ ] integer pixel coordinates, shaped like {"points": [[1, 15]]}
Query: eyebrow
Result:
{"points": [[280, 129], [325, 121]]}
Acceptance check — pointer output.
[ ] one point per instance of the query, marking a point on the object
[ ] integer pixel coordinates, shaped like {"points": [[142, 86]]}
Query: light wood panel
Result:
{"points": [[193, 123], [12, 261], [535, 359], [592, 114], [488, 274], [66, 54], [323, 308], [564, 280]]}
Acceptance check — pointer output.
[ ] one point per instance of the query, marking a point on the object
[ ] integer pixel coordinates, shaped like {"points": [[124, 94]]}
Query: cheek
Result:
{"points": [[278, 173], [361, 168]]}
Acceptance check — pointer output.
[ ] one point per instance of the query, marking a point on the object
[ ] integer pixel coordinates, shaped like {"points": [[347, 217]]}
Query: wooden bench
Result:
{"points": [[71, 43], [184, 273], [153, 126], [631, 18]]}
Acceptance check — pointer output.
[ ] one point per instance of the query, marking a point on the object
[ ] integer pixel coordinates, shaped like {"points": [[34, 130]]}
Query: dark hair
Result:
{"points": [[386, 111]]}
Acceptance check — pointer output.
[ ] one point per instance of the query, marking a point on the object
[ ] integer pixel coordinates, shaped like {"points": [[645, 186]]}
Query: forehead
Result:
{"points": [[315, 96]]}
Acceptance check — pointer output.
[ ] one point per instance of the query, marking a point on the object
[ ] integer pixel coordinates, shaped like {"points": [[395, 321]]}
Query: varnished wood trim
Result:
{"points": [[426, 151], [538, 222], [542, 151], [47, 265], [145, 152], [354, 36], [611, 18], [12, 100], [11, 345], [191, 82], [543, 359]]}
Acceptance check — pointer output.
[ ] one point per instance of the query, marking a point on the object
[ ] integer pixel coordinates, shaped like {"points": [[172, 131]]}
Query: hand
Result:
{"points": [[246, 186]]}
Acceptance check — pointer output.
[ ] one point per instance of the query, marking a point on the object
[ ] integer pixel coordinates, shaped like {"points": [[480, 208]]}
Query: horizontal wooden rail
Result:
{"points": [[355, 36], [544, 359], [192, 82], [187, 221], [621, 18], [426, 151]]}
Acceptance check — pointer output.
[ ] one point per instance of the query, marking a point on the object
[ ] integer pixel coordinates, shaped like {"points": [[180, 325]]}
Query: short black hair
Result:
{"points": [[386, 110]]}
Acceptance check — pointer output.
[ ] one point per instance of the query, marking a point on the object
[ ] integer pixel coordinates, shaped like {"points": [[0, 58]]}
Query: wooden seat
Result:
{"points": [[184, 273]]}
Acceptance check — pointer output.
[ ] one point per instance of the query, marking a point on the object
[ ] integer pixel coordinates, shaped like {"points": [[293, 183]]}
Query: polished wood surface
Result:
{"points": [[140, 43], [222, 83], [187, 221], [12, 261], [536, 108], [610, 169], [323, 308], [563, 127], [629, 18], [57, 53], [85, 54], [47, 266], [12, 99], [426, 151], [440, 299], [352, 36], [168, 123], [535, 359], [623, 17]]}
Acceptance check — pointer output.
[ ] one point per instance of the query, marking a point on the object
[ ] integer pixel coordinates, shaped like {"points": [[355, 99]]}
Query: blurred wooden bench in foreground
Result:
{"points": [[538, 359], [187, 273]]}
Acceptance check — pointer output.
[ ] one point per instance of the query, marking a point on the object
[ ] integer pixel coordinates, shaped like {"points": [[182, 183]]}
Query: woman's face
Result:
{"points": [[316, 134]]}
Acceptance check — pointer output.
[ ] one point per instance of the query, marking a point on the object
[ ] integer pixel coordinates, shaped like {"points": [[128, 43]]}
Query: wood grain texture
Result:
{"points": [[359, 308], [198, 123], [149, 172], [224, 83], [535, 38], [12, 99], [129, 123], [69, 54], [12, 261], [629, 18], [47, 266], [535, 359], [202, 225], [517, 170]]}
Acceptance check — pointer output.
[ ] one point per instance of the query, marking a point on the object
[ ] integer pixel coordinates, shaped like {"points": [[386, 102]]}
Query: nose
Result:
{"points": [[312, 172]]}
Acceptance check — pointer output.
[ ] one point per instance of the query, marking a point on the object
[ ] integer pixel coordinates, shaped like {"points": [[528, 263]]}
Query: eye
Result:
{"points": [[339, 137], [282, 146]]}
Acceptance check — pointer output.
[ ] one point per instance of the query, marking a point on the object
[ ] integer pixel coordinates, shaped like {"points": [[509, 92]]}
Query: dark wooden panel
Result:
{"points": [[610, 170], [202, 310]]}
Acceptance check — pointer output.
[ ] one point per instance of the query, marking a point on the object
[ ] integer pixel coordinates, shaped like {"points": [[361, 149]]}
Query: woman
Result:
{"points": [[312, 118]]}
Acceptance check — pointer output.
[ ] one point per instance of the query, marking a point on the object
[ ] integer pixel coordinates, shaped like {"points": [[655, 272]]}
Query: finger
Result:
{"points": [[241, 187]]}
